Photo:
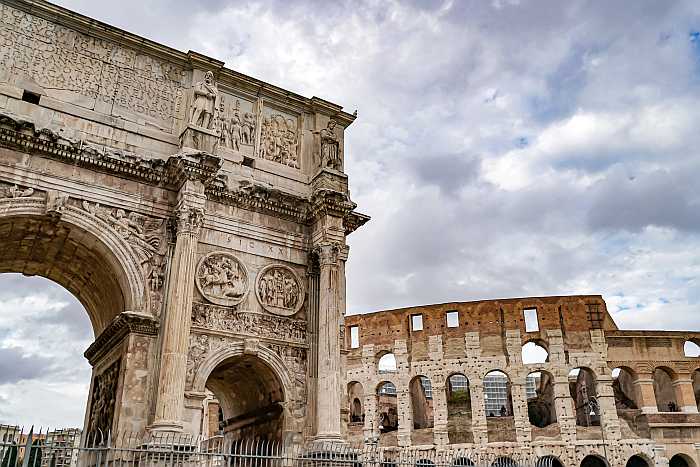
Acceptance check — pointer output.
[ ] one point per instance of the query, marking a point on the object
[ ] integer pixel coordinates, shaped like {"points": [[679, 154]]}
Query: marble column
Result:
{"points": [[176, 322], [329, 312]]}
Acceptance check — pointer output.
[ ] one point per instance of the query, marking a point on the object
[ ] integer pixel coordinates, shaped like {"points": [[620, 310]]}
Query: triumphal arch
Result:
{"points": [[198, 214]]}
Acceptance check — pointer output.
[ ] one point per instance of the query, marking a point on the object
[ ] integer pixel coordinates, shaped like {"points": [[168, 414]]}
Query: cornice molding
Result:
{"points": [[122, 325]]}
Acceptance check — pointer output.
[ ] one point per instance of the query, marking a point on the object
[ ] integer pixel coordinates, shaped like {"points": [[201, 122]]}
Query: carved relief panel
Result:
{"points": [[279, 137], [103, 399], [222, 278], [237, 124], [93, 73], [279, 290]]}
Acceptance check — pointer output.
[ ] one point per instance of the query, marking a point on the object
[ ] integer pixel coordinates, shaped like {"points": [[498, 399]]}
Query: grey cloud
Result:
{"points": [[15, 367]]}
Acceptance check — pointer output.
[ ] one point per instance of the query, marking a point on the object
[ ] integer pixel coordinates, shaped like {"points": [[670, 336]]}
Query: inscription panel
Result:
{"points": [[90, 72]]}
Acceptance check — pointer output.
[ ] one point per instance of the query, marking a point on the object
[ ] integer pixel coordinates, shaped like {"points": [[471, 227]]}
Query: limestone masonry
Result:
{"points": [[201, 215]]}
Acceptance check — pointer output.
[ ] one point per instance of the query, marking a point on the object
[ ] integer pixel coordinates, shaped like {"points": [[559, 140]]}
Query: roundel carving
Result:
{"points": [[222, 278], [279, 290]]}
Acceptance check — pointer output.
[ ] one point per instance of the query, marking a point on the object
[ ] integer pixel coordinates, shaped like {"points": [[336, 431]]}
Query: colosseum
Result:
{"points": [[554, 376]]}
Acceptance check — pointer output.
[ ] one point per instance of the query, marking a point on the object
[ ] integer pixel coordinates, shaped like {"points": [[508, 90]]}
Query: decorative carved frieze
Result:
{"points": [[261, 199], [143, 233], [14, 191], [103, 399], [247, 323], [222, 278], [56, 203], [236, 129], [123, 324], [279, 140], [279, 290], [204, 107]]}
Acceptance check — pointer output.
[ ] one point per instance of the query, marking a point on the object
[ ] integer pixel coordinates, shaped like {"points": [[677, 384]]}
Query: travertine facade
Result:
{"points": [[198, 214], [597, 392]]}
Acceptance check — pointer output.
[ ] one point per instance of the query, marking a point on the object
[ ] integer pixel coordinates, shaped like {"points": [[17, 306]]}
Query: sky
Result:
{"points": [[503, 148]]}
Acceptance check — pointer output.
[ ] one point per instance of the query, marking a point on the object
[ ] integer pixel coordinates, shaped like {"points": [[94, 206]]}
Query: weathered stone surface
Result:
{"points": [[180, 202]]}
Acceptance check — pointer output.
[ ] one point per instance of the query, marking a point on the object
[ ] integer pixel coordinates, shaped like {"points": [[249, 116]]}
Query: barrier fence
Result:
{"points": [[70, 448]]}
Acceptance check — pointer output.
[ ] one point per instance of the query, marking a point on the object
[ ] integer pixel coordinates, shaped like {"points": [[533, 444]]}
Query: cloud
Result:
{"points": [[503, 149]]}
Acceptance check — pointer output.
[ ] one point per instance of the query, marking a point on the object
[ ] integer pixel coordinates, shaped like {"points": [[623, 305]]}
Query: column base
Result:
{"points": [[166, 426], [327, 438]]}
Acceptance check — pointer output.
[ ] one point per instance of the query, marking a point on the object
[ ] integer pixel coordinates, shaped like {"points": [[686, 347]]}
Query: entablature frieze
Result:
{"points": [[213, 319]]}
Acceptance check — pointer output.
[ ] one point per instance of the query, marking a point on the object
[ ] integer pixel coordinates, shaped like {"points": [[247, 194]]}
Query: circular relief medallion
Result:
{"points": [[279, 290], [222, 279]]}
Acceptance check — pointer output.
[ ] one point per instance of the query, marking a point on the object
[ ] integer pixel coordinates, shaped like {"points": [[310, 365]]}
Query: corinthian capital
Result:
{"points": [[189, 220], [329, 253]]}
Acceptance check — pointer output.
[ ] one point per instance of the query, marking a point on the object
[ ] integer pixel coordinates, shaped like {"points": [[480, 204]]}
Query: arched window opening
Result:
{"points": [[422, 410], [356, 411], [593, 461], [664, 391], [680, 460], [691, 349], [583, 390], [539, 390], [462, 462], [459, 409], [387, 363], [534, 353], [548, 461], [355, 395], [637, 461], [498, 404], [504, 461], [633, 422], [387, 413]]}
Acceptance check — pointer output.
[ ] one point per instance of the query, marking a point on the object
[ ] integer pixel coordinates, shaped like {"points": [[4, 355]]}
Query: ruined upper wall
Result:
{"points": [[575, 316], [101, 85]]}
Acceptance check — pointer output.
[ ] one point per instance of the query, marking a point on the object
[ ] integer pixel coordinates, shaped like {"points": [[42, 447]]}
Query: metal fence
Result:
{"points": [[59, 449]]}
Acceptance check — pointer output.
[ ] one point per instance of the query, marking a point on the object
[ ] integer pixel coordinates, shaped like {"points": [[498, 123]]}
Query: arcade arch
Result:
{"points": [[534, 352], [584, 392], [681, 460], [594, 461], [79, 252], [541, 410], [387, 411], [251, 397], [498, 405], [664, 390], [355, 401], [637, 461], [421, 391], [459, 409]]}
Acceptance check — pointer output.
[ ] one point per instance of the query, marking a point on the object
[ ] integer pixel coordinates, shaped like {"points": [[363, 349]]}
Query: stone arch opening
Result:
{"points": [[462, 462], [421, 392], [459, 409], [355, 399], [386, 363], [637, 461], [534, 352], [696, 386], [498, 405], [633, 422], [691, 349], [548, 461], [583, 389], [664, 391], [387, 413], [594, 461], [77, 253], [504, 461], [251, 397], [89, 259], [541, 411], [681, 460]]}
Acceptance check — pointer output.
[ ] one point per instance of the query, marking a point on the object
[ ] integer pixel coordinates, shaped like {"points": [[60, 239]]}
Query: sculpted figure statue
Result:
{"points": [[204, 104], [330, 146]]}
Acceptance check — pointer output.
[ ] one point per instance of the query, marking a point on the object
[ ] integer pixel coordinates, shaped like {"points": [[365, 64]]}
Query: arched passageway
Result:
{"points": [[251, 397], [498, 404], [583, 388], [95, 263], [680, 460], [459, 409], [387, 413], [421, 392], [548, 461], [593, 461], [636, 461], [541, 411], [664, 391]]}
